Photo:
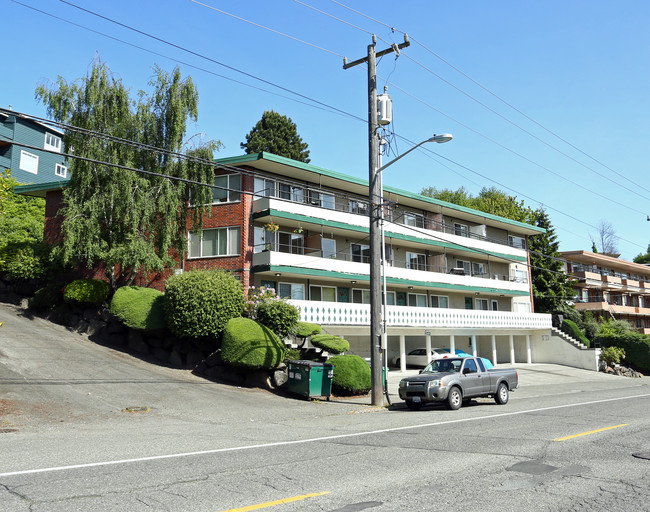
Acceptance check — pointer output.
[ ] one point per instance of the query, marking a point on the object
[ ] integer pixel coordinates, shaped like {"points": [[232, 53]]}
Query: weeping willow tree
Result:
{"points": [[129, 221]]}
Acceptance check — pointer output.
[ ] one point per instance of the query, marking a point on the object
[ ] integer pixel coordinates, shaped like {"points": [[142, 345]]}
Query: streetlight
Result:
{"points": [[377, 259]]}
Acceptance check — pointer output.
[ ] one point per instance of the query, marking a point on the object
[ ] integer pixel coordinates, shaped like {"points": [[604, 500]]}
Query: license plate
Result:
{"points": [[417, 399]]}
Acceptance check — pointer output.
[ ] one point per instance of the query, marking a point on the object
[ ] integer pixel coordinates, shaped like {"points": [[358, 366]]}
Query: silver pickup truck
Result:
{"points": [[454, 380]]}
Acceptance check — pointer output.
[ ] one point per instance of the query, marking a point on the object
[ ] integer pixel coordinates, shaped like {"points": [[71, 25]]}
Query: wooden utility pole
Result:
{"points": [[374, 206]]}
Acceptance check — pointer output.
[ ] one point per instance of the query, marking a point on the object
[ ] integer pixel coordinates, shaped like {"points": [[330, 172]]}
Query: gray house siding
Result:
{"points": [[29, 166]]}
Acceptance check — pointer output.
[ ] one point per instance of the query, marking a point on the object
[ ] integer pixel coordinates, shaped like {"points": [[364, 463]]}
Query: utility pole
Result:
{"points": [[374, 210]]}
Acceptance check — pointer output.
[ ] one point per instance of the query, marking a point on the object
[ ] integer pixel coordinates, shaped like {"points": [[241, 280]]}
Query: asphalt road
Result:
{"points": [[84, 427]]}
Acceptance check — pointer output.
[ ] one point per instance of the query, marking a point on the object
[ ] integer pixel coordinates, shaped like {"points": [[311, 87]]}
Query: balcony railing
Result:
{"points": [[342, 313]]}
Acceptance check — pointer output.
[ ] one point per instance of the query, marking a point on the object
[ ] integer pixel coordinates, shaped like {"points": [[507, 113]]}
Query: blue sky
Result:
{"points": [[577, 74]]}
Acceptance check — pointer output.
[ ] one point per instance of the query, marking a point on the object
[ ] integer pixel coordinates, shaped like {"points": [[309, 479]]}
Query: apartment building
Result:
{"points": [[31, 150], [610, 287], [454, 277]]}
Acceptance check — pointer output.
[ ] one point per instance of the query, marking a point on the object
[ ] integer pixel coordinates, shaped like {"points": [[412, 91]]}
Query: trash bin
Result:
{"points": [[309, 378]]}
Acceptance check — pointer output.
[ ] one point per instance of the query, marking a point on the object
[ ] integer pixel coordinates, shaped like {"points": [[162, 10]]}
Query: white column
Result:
{"points": [[473, 338], [512, 349], [452, 343], [529, 354], [402, 353], [428, 345], [494, 349]]}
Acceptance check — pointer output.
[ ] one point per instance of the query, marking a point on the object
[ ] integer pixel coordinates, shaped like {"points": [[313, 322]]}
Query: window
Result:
{"points": [[417, 300], [461, 229], [495, 305], [482, 304], [290, 192], [439, 301], [292, 243], [328, 247], [470, 365], [324, 293], [52, 142], [478, 269], [360, 296], [465, 265], [359, 207], [390, 298], [264, 187], [517, 241], [215, 242], [28, 162], [322, 199], [416, 261], [360, 253], [269, 284], [293, 291], [480, 364], [413, 219], [229, 191], [521, 276], [60, 170]]}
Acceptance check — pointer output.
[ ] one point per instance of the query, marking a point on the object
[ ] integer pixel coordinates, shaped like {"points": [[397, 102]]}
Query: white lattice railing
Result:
{"points": [[340, 313]]}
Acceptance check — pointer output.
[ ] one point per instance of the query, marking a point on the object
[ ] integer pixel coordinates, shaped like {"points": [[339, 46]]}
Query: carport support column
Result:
{"points": [[494, 349], [428, 345], [402, 353], [452, 344], [473, 338], [512, 349], [529, 354]]}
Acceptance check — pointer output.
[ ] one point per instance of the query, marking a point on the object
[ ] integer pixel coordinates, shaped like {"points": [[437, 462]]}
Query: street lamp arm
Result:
{"points": [[444, 137]]}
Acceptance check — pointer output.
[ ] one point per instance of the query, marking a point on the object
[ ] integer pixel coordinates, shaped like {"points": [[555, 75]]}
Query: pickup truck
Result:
{"points": [[455, 380]]}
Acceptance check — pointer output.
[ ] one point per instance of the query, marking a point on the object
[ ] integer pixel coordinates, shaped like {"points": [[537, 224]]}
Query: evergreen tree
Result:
{"points": [[643, 258], [129, 221], [551, 285], [276, 134]]}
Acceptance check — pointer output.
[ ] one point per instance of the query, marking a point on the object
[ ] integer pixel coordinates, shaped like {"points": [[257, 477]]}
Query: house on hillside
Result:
{"points": [[610, 287], [31, 150], [455, 277]]}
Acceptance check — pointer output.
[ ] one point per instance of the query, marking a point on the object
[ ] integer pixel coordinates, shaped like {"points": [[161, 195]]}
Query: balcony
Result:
{"points": [[312, 262], [339, 313]]}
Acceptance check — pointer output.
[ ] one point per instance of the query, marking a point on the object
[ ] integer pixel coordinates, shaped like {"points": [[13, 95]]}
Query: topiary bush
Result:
{"points": [[306, 329], [351, 375], [91, 292], [199, 303], [47, 298], [279, 316], [139, 308], [331, 343], [250, 345], [571, 328]]}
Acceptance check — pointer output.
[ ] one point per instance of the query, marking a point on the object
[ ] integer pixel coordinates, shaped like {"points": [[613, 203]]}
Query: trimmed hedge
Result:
{"points": [[571, 328], [351, 375], [92, 292], [139, 308], [331, 343], [279, 316], [199, 303], [47, 298], [635, 345], [306, 329], [250, 345]]}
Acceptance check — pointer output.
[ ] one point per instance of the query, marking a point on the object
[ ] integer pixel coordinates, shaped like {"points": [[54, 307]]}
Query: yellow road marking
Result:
{"points": [[276, 502], [590, 432]]}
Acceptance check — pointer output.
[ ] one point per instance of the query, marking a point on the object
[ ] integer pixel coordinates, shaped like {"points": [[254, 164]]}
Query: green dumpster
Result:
{"points": [[309, 378]]}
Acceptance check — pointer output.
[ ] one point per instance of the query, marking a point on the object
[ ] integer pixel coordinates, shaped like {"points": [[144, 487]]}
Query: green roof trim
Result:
{"points": [[239, 160], [360, 229], [391, 280], [36, 188]]}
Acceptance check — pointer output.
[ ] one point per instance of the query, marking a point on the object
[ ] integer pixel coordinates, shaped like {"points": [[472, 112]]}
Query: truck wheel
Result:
{"points": [[501, 396], [454, 399], [414, 406]]}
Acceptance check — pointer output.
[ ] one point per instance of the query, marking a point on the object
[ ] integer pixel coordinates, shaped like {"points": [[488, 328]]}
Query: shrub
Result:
{"points": [[569, 312], [351, 375], [614, 327], [279, 316], [331, 343], [199, 303], [257, 296], [612, 355], [47, 298], [635, 345], [293, 354], [92, 292], [306, 329], [250, 345], [26, 259], [139, 308], [589, 325], [569, 327]]}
